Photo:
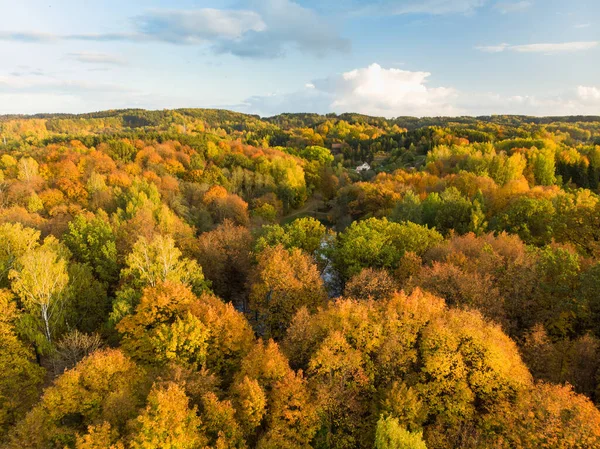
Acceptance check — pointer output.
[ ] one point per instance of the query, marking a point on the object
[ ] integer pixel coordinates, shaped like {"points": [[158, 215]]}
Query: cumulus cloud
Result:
{"points": [[371, 90], [378, 91], [95, 58], [546, 48], [265, 29]]}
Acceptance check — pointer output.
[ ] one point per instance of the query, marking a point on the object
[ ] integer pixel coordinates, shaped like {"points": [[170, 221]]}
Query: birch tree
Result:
{"points": [[40, 282]]}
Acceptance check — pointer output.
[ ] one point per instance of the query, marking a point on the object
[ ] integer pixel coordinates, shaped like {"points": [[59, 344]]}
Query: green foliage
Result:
{"points": [[307, 234], [543, 166], [379, 243], [92, 242], [121, 150], [390, 435], [88, 302], [530, 218]]}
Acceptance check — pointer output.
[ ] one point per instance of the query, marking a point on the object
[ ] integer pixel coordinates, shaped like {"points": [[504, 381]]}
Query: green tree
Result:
{"points": [[543, 165], [91, 240], [391, 435], [160, 260], [307, 233], [530, 218], [408, 209], [379, 243], [88, 304]]}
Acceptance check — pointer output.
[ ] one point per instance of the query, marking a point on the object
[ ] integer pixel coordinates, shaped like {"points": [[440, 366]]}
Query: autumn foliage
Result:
{"points": [[207, 279]]}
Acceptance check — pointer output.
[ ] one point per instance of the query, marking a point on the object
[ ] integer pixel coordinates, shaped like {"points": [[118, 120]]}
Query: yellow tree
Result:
{"points": [[158, 261], [16, 241], [168, 422], [171, 324], [100, 436], [149, 264], [224, 254], [39, 281], [273, 402], [21, 376], [284, 282], [104, 387]]}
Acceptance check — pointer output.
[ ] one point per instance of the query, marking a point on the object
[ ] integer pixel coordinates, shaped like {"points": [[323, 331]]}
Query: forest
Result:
{"points": [[200, 278]]}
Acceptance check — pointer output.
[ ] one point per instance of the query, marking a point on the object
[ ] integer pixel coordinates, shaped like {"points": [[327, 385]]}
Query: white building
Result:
{"points": [[363, 167]]}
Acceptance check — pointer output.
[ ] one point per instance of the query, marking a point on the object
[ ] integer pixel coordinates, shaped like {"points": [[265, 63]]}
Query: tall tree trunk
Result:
{"points": [[46, 323]]}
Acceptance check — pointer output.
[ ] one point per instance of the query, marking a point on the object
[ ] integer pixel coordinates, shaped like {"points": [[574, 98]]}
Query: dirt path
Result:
{"points": [[311, 207]]}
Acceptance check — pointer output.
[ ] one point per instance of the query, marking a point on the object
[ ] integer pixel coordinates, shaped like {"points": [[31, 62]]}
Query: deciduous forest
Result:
{"points": [[201, 278]]}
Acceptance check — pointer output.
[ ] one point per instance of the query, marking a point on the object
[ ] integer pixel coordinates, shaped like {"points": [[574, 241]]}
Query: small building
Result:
{"points": [[363, 167]]}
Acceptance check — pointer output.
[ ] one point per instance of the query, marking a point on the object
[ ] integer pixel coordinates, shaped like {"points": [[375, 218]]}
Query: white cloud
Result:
{"points": [[378, 91], [387, 91], [546, 48], [266, 30], [583, 25], [288, 25], [589, 94], [510, 7], [197, 26], [493, 48], [371, 90], [96, 58], [555, 48]]}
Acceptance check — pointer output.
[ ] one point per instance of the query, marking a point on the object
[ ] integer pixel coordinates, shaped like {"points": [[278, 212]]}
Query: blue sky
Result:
{"points": [[380, 57]]}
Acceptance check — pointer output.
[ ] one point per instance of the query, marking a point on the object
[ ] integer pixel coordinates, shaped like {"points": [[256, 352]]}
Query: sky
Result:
{"points": [[379, 57]]}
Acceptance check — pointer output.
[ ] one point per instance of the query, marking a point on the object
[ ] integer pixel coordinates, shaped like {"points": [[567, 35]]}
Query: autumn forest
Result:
{"points": [[200, 278]]}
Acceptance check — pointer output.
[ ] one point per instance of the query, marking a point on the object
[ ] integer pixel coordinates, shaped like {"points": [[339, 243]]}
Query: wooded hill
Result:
{"points": [[203, 278]]}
